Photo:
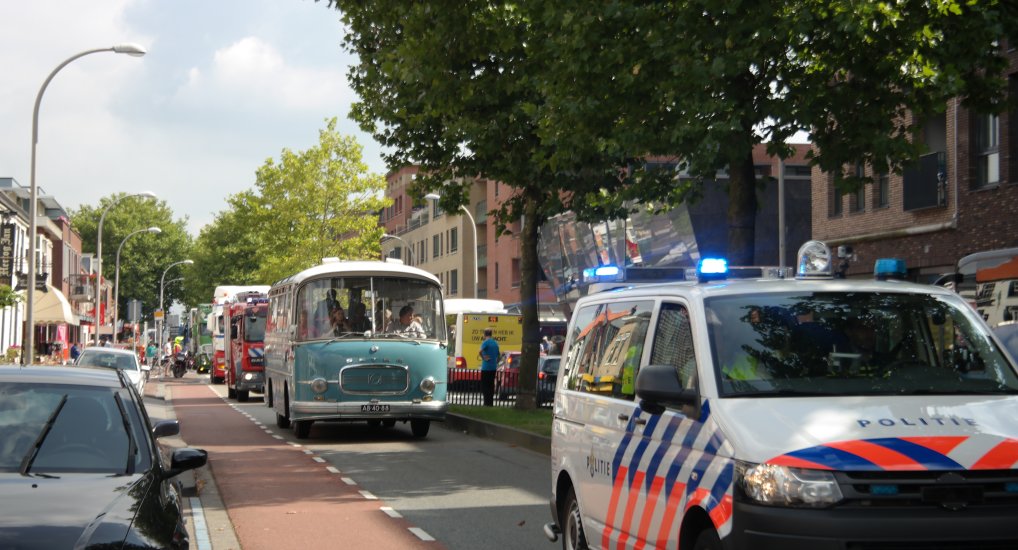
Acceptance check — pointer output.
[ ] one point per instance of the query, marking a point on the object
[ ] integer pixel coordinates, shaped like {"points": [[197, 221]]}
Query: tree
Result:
{"points": [[226, 252], [310, 205], [144, 256], [707, 80]]}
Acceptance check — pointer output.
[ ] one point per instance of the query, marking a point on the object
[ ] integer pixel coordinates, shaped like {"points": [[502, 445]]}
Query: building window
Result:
{"points": [[515, 268], [436, 246], [834, 196], [857, 201], [987, 152], [436, 210], [882, 191], [454, 243], [453, 282]]}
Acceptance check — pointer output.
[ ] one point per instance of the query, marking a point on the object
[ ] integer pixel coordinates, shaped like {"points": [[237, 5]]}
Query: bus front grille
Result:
{"points": [[374, 380]]}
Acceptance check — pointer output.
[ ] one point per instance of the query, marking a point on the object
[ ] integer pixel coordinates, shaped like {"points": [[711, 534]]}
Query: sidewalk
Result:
{"points": [[261, 492]]}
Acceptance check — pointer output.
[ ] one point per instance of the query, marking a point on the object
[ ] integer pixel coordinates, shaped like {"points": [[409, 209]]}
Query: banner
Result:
{"points": [[6, 252]]}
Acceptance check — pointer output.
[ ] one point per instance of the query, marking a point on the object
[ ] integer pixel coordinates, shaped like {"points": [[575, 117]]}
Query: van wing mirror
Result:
{"points": [[658, 386]]}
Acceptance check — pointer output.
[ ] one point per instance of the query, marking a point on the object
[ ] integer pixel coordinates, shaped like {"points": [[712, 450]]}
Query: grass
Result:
{"points": [[537, 421]]}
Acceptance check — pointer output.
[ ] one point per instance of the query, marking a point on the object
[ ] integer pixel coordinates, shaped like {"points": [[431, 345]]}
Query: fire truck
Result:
{"points": [[222, 299], [245, 344]]}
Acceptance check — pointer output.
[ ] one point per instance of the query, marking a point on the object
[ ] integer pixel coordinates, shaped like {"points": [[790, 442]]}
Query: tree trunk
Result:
{"points": [[527, 389], [742, 206]]}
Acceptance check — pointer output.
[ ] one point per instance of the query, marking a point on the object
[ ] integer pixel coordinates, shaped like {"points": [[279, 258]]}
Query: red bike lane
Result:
{"points": [[275, 494]]}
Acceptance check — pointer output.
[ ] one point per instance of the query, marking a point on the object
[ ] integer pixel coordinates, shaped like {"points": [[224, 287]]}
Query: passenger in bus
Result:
{"points": [[338, 323], [405, 324], [359, 321]]}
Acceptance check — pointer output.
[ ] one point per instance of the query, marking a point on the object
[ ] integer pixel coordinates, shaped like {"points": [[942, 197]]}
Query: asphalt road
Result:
{"points": [[463, 491]]}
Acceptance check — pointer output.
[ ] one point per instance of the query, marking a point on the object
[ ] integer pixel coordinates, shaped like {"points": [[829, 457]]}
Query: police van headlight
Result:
{"points": [[784, 486], [428, 385], [319, 385]]}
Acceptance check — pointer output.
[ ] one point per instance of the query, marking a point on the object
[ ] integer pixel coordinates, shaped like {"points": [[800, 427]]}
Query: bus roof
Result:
{"points": [[473, 305], [355, 268]]}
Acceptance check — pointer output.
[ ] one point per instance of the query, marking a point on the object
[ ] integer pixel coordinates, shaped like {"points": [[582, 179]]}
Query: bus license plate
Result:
{"points": [[375, 408]]}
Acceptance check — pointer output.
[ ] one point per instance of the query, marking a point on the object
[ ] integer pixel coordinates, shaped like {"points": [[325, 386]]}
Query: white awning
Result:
{"points": [[52, 307]]}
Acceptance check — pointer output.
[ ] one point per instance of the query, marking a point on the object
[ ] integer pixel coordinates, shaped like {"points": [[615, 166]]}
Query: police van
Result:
{"points": [[795, 413]]}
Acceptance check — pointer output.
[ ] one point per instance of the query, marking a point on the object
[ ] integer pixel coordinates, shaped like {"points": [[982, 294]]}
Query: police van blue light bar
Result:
{"points": [[602, 273], [889, 268], [711, 269]]}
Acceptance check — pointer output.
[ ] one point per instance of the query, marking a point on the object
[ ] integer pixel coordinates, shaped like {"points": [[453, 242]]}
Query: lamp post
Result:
{"points": [[405, 245], [162, 284], [116, 284], [33, 208], [99, 261], [473, 226]]}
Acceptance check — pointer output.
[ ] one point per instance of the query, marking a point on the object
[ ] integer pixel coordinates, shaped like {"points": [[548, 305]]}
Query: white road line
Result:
{"points": [[201, 531], [277, 436], [318, 459], [308, 452], [298, 445], [422, 534], [348, 481], [390, 512], [368, 495], [332, 469]]}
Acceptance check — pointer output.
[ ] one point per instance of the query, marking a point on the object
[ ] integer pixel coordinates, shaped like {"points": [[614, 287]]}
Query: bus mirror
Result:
{"points": [[233, 332]]}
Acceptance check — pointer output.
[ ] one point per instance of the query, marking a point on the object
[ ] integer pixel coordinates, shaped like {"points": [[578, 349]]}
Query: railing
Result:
{"points": [[465, 388]]}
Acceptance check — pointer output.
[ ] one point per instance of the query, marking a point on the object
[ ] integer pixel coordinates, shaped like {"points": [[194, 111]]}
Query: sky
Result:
{"points": [[225, 85]]}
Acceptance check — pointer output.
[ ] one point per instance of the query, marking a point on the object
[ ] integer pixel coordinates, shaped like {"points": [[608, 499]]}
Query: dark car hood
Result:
{"points": [[73, 511]]}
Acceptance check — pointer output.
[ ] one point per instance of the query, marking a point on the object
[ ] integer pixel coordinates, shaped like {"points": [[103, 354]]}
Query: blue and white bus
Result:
{"points": [[336, 347]]}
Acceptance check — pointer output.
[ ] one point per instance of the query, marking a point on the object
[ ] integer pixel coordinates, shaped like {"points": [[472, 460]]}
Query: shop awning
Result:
{"points": [[52, 307]]}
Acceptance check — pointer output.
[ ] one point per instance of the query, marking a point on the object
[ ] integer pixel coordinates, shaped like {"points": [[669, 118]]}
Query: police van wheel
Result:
{"points": [[572, 529], [282, 421], [708, 540]]}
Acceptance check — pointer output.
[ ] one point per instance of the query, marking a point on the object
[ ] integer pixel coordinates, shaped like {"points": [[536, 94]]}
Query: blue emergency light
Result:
{"points": [[711, 269], [601, 273], [889, 268]]}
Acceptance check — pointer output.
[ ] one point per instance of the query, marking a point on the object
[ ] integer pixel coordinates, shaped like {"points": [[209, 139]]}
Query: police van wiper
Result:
{"points": [[29, 457]]}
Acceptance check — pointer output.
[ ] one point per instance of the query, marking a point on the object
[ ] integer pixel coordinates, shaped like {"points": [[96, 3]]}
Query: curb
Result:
{"points": [[505, 434]]}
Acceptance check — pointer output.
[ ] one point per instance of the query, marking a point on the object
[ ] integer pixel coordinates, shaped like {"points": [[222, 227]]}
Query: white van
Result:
{"points": [[808, 413]]}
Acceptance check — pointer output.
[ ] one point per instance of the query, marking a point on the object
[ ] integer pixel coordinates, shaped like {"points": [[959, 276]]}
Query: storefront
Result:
{"points": [[54, 322]]}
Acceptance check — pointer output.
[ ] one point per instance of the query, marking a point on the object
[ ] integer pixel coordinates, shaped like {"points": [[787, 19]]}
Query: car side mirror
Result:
{"points": [[165, 428], [186, 459], [658, 386]]}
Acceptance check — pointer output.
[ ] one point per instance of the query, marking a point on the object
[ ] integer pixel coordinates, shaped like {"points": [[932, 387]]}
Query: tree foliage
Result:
{"points": [[144, 256], [226, 252]]}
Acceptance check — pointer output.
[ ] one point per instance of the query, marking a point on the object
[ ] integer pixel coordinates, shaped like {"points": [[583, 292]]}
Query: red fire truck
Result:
{"points": [[245, 345]]}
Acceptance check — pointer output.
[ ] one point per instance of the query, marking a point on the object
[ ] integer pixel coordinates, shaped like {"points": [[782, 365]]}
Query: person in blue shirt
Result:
{"points": [[489, 362]]}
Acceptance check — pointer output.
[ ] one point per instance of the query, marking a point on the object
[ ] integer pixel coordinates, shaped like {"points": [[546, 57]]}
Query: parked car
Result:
{"points": [[547, 375], [507, 375], [113, 358], [80, 466]]}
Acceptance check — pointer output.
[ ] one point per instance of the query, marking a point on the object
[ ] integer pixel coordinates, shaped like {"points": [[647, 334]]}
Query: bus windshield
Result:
{"points": [[397, 307]]}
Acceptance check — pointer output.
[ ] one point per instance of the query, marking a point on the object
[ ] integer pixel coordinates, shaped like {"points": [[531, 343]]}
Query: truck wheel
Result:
{"points": [[242, 395], [572, 528], [708, 540], [282, 421], [420, 428], [302, 428]]}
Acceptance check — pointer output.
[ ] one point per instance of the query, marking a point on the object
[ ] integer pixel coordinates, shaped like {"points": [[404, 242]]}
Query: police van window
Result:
{"points": [[673, 343], [607, 347], [843, 343]]}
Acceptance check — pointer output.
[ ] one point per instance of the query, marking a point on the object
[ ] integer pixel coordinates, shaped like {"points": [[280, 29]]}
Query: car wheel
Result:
{"points": [[708, 540], [282, 421], [573, 537], [420, 428], [230, 392], [302, 428]]}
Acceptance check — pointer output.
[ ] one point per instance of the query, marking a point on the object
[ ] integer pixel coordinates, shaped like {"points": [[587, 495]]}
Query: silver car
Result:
{"points": [[114, 358]]}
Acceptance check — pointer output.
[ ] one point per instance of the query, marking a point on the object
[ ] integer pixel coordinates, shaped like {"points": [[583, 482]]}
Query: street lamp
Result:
{"points": [[162, 284], [116, 284], [33, 208], [99, 260], [473, 226], [400, 239]]}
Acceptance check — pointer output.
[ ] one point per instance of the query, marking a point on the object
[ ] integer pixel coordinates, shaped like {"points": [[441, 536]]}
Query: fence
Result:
{"points": [[465, 388]]}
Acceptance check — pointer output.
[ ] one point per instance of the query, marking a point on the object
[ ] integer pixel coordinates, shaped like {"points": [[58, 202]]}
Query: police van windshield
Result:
{"points": [[847, 343]]}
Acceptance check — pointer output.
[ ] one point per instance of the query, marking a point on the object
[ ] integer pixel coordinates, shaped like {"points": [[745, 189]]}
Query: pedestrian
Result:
{"points": [[150, 353], [488, 354], [545, 345], [75, 351]]}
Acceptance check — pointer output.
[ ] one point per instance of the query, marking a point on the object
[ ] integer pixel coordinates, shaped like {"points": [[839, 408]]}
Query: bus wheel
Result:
{"points": [[572, 530], [388, 423], [302, 428], [268, 394], [242, 395], [282, 421], [420, 428]]}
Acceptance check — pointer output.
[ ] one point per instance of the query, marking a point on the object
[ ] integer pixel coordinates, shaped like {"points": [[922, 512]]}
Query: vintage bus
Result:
{"points": [[368, 366]]}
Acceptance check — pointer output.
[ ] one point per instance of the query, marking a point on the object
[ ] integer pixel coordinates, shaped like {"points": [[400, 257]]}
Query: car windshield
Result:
{"points": [[87, 434], [852, 343], [97, 358], [550, 365]]}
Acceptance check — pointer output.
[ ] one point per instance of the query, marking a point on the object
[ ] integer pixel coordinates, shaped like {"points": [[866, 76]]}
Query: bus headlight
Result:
{"points": [[428, 385], [784, 486], [319, 385]]}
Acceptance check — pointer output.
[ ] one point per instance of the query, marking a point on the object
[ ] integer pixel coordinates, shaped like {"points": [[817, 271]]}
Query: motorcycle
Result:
{"points": [[179, 365]]}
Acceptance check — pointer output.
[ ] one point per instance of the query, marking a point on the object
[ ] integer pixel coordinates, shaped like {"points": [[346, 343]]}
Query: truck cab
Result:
{"points": [[245, 346]]}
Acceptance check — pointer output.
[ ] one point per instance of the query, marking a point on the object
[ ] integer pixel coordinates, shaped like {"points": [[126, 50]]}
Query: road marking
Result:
{"points": [[201, 531], [259, 424], [422, 534], [277, 436], [368, 495], [390, 512], [318, 459], [332, 469], [295, 444], [308, 452], [348, 481]]}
